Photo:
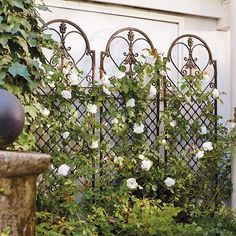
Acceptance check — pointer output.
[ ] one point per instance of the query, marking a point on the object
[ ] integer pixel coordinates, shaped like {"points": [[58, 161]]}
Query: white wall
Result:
{"points": [[219, 43], [100, 21]]}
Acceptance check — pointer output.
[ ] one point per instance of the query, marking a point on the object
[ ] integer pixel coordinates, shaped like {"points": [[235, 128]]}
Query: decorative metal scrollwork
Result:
{"points": [[192, 49], [124, 49], [69, 36], [188, 58], [130, 38]]}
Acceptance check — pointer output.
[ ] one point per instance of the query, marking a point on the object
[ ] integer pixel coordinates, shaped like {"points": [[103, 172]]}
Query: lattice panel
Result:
{"points": [[190, 56], [79, 62], [124, 48], [75, 51]]}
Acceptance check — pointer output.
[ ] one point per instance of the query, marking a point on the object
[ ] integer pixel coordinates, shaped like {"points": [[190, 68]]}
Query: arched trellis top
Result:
{"points": [[65, 51], [132, 36], [191, 67]]}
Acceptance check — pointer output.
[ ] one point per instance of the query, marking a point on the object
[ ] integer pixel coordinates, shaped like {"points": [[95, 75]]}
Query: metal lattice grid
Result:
{"points": [[190, 56], [124, 48]]}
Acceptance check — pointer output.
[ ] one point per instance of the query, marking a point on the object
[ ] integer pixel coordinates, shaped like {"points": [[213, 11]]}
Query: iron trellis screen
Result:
{"points": [[124, 48], [183, 60], [65, 33]]}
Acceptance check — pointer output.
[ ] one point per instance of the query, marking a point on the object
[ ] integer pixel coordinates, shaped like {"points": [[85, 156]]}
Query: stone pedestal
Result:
{"points": [[18, 175]]}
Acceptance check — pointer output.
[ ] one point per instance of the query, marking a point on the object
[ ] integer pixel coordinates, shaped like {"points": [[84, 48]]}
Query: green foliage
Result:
{"points": [[97, 199], [22, 66], [128, 189]]}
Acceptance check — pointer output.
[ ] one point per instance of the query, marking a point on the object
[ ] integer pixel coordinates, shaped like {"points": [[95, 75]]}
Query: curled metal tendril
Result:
{"points": [[212, 85], [130, 57], [59, 60]]}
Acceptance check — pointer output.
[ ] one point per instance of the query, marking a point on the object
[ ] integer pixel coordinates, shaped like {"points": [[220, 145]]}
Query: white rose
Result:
{"points": [[132, 183], [173, 123], [52, 84], [138, 128], [119, 160], [140, 187], [141, 59], [163, 141], [63, 170], [120, 74], [206, 76], [146, 164], [199, 155], [207, 146], [215, 93], [104, 81], [106, 90], [163, 73], [114, 121], [45, 112], [169, 182], [152, 92], [141, 156], [150, 60], [94, 144], [66, 94], [74, 79], [203, 130], [66, 134], [65, 71], [130, 102], [92, 108], [232, 125]]}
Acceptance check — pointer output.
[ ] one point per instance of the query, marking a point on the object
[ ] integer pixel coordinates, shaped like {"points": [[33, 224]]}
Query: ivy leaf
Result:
{"points": [[13, 28], [43, 7], [5, 60], [22, 43], [19, 69], [4, 39], [19, 20], [2, 77], [1, 19], [17, 4]]}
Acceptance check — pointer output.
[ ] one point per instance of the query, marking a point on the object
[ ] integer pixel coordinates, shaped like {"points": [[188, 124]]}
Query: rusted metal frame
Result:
{"points": [[63, 34], [130, 59], [190, 64]]}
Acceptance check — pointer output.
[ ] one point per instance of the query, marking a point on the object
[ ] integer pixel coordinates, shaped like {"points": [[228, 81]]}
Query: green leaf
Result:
{"points": [[3, 27], [1, 19], [13, 28], [19, 69], [17, 4], [31, 110], [4, 39], [19, 20], [43, 7], [2, 77], [22, 43], [5, 60]]}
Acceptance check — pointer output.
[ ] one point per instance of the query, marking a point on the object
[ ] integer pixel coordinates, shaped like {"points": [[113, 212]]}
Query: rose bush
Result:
{"points": [[130, 188]]}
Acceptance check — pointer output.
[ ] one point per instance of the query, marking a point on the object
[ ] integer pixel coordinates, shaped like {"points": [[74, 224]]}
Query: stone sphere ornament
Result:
{"points": [[11, 118]]}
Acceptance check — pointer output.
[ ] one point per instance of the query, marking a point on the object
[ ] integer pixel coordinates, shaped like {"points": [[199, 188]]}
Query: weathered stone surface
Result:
{"points": [[22, 163], [18, 175]]}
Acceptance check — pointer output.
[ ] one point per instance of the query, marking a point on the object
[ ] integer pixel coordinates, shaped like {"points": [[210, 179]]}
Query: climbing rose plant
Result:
{"points": [[128, 188]]}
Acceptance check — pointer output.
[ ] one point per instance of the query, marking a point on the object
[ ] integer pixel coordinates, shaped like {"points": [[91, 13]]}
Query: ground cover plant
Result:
{"points": [[130, 188]]}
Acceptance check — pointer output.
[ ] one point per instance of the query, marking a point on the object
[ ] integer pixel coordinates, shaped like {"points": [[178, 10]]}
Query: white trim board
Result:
{"points": [[115, 10], [206, 8]]}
